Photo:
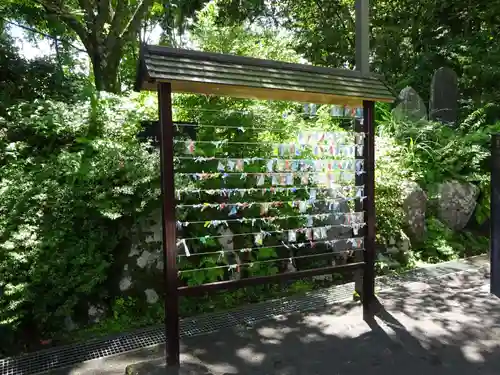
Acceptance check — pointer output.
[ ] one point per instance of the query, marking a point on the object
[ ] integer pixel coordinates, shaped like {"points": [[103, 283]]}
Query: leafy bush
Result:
{"points": [[435, 152], [441, 243], [389, 178], [74, 180], [430, 153], [40, 78]]}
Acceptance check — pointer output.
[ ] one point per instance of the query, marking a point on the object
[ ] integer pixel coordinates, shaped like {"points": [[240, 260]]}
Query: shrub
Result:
{"points": [[74, 180], [430, 153]]}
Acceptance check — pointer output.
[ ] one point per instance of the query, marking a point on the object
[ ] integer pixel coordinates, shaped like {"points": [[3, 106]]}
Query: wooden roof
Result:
{"points": [[246, 77]]}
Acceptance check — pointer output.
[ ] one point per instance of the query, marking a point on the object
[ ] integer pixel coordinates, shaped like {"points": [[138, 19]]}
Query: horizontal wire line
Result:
{"points": [[250, 264], [260, 143], [256, 158], [252, 112], [278, 189], [243, 220], [261, 232], [250, 204], [274, 130], [343, 156], [199, 159], [263, 190], [289, 245], [215, 174]]}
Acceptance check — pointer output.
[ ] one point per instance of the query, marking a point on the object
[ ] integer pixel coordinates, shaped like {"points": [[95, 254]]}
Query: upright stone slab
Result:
{"points": [[443, 105], [411, 106]]}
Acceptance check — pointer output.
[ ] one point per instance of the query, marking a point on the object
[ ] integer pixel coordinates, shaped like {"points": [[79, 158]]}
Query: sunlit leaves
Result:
{"points": [[66, 201]]}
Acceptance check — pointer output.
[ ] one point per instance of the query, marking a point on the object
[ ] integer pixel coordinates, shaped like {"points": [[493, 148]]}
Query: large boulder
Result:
{"points": [[414, 200], [456, 202]]}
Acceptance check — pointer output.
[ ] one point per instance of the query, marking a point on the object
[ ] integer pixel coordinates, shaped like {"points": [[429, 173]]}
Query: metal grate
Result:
{"points": [[45, 360], [206, 323]]}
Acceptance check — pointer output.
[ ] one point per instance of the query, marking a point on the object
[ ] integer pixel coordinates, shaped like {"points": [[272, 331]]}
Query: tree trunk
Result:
{"points": [[105, 67], [107, 25]]}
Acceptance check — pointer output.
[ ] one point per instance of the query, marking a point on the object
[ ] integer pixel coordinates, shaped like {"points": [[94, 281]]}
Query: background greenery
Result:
{"points": [[75, 181]]}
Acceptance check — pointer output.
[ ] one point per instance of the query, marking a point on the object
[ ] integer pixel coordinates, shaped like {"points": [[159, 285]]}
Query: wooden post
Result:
{"points": [[365, 281], [369, 205], [362, 38], [495, 216], [168, 221]]}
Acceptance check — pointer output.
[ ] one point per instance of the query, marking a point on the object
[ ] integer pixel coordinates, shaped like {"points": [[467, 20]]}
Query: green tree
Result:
{"points": [[409, 39], [109, 30], [41, 78], [105, 28]]}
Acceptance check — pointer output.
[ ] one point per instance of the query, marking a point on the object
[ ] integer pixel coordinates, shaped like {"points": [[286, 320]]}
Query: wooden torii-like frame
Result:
{"points": [[169, 70]]}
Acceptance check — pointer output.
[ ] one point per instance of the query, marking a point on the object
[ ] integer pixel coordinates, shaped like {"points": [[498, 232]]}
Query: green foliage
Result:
{"points": [[243, 40], [126, 314], [441, 243], [272, 127], [436, 152], [483, 205], [408, 41], [75, 181], [104, 29], [389, 178], [430, 153], [34, 79], [235, 114], [68, 198]]}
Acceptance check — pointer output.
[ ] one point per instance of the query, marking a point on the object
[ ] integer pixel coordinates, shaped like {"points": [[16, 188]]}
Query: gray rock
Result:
{"points": [[138, 265], [151, 296], [338, 231], [411, 106], [233, 258], [134, 250], [395, 248], [414, 201], [404, 244], [456, 203], [69, 324], [96, 313], [144, 259], [125, 283], [227, 240]]}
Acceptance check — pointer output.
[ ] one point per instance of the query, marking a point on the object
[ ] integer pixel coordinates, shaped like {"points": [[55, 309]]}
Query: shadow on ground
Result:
{"points": [[450, 326]]}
